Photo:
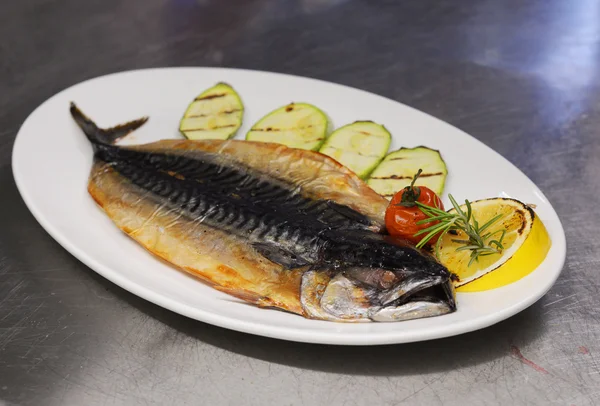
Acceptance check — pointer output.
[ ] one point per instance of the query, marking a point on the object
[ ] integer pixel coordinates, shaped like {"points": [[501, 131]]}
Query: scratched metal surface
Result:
{"points": [[522, 76]]}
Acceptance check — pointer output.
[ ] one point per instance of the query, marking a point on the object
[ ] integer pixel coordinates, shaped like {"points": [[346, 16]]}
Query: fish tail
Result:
{"points": [[98, 135]]}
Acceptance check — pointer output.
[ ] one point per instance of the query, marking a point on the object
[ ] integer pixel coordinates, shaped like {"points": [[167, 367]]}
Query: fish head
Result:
{"points": [[394, 283]]}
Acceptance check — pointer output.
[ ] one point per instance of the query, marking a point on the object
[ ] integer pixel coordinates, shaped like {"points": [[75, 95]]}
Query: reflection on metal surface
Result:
{"points": [[311, 6], [564, 57], [512, 73], [569, 61]]}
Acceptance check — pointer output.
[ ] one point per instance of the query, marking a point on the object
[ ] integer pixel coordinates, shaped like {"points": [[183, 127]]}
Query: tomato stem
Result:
{"points": [[411, 193]]}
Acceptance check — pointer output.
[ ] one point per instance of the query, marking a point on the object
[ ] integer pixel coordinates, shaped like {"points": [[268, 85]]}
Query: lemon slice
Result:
{"points": [[526, 243]]}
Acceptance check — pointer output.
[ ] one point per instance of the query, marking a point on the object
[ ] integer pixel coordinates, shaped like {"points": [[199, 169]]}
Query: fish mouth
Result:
{"points": [[365, 295]]}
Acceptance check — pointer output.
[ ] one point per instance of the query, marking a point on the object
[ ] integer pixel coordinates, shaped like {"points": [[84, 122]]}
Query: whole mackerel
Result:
{"points": [[275, 226]]}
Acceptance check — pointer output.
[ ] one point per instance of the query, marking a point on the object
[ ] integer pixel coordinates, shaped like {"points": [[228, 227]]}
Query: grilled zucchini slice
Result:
{"points": [[359, 146], [297, 125], [399, 167], [215, 114]]}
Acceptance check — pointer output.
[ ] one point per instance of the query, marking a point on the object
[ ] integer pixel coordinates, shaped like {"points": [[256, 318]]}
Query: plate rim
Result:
{"points": [[271, 331]]}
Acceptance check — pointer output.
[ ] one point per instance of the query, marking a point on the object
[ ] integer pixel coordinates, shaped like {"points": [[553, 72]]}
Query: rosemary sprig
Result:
{"points": [[479, 242]]}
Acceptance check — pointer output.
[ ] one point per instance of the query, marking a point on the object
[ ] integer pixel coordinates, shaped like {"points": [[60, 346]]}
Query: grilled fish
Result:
{"points": [[274, 226]]}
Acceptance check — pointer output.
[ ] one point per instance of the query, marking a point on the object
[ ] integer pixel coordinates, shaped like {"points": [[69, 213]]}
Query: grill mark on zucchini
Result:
{"points": [[221, 113], [210, 96], [271, 129], [210, 129], [313, 140], [356, 152], [423, 175]]}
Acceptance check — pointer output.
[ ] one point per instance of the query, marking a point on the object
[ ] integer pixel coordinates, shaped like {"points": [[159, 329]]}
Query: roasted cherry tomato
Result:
{"points": [[402, 214]]}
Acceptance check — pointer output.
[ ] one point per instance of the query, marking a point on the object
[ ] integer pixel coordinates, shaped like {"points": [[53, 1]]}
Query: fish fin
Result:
{"points": [[99, 135], [258, 300], [280, 256], [243, 294], [248, 296]]}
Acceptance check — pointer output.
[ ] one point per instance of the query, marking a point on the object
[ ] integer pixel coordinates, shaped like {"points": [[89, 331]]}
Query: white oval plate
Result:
{"points": [[52, 160]]}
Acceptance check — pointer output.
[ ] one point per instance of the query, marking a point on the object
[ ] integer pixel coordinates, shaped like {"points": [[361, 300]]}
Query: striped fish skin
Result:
{"points": [[269, 213], [264, 228]]}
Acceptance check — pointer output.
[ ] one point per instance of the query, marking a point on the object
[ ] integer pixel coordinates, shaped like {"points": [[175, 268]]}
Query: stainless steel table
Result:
{"points": [[522, 76]]}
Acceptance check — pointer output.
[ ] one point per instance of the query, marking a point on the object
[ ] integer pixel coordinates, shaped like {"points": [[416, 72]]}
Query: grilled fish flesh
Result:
{"points": [[274, 226]]}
